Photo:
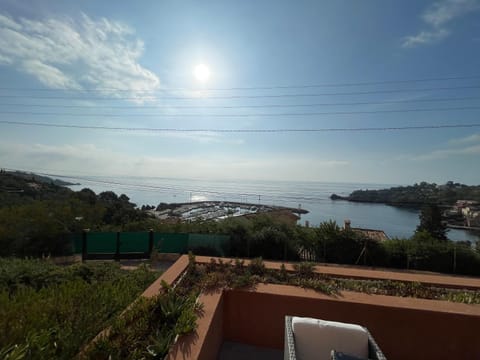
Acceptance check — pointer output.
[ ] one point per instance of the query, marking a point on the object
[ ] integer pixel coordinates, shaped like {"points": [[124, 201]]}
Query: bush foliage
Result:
{"points": [[148, 328], [47, 311], [265, 237]]}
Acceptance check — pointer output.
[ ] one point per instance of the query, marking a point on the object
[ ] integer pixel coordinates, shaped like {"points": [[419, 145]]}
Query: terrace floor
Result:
{"points": [[238, 351]]}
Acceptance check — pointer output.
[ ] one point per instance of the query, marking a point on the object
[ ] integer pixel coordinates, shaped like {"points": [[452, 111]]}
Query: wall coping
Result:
{"points": [[170, 275], [370, 299]]}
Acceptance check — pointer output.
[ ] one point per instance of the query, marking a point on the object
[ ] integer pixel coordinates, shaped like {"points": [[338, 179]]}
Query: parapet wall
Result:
{"points": [[405, 328]]}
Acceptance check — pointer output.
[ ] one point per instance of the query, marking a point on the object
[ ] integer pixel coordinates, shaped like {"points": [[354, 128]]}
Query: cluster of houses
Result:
{"points": [[468, 210]]}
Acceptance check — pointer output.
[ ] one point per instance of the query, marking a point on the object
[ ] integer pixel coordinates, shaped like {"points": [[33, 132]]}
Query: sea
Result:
{"points": [[311, 196]]}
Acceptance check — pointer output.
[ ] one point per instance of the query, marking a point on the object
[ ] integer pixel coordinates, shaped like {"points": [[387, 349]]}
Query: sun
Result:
{"points": [[201, 73]]}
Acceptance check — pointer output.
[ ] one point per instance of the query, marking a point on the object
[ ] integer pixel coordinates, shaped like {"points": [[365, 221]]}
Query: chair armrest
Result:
{"points": [[289, 352], [374, 351]]}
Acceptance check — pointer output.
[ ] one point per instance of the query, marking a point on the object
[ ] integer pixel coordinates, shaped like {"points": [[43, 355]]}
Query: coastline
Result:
{"points": [[397, 222]]}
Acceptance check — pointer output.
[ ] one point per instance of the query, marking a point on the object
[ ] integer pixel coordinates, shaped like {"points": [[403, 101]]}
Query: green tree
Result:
{"points": [[431, 222], [327, 233]]}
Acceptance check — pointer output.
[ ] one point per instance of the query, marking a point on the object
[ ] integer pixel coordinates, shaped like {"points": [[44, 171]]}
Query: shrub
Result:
{"points": [[47, 311], [304, 269], [148, 328], [256, 266]]}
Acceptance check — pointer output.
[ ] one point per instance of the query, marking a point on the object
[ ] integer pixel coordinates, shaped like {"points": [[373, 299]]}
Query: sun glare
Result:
{"points": [[201, 73]]}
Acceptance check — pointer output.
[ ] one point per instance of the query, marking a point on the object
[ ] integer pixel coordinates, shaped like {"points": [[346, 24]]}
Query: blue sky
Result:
{"points": [[130, 65]]}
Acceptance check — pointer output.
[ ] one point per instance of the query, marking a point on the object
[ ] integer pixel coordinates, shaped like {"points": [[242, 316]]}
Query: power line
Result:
{"points": [[213, 130], [267, 87], [406, 101], [295, 95], [238, 115]]}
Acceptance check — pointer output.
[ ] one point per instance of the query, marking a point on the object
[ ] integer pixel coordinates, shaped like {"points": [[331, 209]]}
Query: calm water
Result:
{"points": [[312, 196]]}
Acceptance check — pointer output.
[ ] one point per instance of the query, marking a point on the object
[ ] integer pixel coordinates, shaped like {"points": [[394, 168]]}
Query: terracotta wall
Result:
{"points": [[413, 332], [405, 328], [205, 342], [214, 329]]}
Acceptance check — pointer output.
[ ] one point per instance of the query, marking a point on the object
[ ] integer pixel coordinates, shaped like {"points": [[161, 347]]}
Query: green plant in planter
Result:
{"points": [[256, 266], [149, 327], [14, 352], [464, 297], [245, 280], [212, 265], [192, 265], [239, 266], [283, 274], [41, 345], [304, 269], [315, 284], [159, 345]]}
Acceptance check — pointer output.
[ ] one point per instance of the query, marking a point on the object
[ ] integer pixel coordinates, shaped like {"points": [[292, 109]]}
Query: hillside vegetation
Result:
{"points": [[51, 312], [40, 221], [416, 195], [36, 215]]}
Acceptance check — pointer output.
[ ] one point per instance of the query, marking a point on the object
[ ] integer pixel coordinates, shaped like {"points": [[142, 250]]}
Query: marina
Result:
{"points": [[215, 210]]}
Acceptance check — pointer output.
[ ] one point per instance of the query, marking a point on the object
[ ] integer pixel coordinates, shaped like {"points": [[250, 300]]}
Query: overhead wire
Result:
{"points": [[144, 97], [294, 95], [404, 101], [267, 87], [269, 130], [258, 115], [36, 113]]}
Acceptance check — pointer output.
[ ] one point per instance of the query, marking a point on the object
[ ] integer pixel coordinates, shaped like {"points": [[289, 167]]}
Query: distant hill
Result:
{"points": [[416, 195], [20, 188], [41, 178]]}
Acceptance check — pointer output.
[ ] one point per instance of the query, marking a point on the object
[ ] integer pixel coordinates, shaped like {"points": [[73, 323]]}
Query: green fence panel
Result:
{"points": [[101, 242], [76, 240], [134, 242], [208, 243], [171, 243], [138, 242]]}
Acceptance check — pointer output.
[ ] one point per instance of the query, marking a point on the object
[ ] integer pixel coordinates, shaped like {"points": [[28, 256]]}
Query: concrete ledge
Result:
{"points": [[170, 276], [167, 256]]}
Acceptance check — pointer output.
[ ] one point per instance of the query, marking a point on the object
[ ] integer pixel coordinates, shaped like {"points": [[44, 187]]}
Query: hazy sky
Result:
{"points": [[127, 64]]}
